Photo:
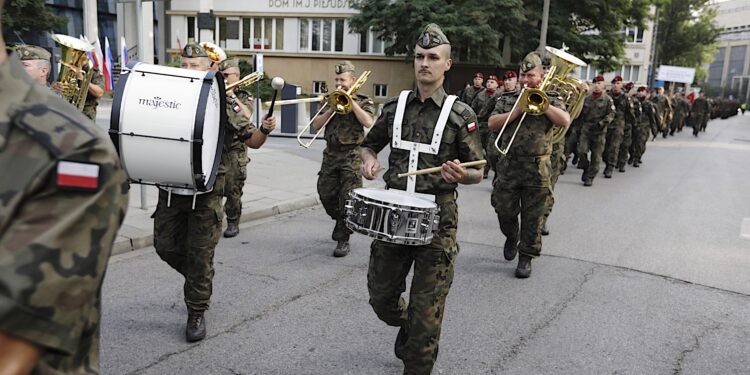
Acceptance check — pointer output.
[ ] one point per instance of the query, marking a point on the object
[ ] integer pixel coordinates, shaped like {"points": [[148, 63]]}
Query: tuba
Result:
{"points": [[76, 70], [535, 101]]}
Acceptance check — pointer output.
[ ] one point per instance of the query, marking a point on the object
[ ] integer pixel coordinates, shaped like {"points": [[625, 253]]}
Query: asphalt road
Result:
{"points": [[646, 273]]}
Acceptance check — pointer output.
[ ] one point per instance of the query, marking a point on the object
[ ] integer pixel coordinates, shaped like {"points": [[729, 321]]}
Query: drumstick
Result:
{"points": [[477, 163], [277, 83]]}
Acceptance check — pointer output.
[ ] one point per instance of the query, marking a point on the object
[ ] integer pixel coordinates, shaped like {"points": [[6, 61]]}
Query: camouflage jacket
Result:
{"points": [[89, 106], [623, 110], [483, 104], [597, 113], [239, 122], [646, 113], [700, 106], [534, 137], [345, 131], [469, 93], [663, 106], [460, 139], [59, 215]]}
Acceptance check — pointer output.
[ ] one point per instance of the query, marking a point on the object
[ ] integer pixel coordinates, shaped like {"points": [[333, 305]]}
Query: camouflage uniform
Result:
{"points": [[616, 129], [523, 182], [237, 158], [56, 233], [89, 106], [595, 117], [483, 104], [557, 163], [646, 120], [700, 113], [340, 171], [470, 93], [680, 108], [663, 112]]}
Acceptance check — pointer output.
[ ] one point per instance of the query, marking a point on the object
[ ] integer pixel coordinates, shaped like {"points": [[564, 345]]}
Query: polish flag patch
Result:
{"points": [[472, 126], [77, 176]]}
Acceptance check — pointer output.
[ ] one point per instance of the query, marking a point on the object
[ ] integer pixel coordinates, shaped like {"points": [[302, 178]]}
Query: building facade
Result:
{"points": [[300, 40], [729, 73]]}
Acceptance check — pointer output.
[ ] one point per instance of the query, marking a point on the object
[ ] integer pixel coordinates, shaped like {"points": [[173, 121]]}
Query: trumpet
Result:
{"points": [[246, 80], [534, 101], [340, 101]]}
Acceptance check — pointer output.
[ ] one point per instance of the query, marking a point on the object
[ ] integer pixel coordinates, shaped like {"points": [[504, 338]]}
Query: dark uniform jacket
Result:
{"points": [[534, 137]]}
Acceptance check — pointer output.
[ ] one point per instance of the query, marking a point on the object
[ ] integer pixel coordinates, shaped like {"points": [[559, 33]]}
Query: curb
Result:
{"points": [[137, 243]]}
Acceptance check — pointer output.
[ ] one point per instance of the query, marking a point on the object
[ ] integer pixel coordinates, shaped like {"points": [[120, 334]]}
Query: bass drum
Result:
{"points": [[167, 126]]}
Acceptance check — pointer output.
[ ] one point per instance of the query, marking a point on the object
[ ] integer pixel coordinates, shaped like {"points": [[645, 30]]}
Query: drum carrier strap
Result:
{"points": [[415, 148]]}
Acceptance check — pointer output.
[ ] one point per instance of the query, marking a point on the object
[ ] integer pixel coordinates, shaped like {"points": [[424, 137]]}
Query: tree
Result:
{"points": [[686, 34], [26, 17], [591, 28]]}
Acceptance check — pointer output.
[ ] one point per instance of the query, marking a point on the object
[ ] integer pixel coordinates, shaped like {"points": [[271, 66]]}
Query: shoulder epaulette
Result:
{"points": [[57, 131], [464, 110], [390, 101]]}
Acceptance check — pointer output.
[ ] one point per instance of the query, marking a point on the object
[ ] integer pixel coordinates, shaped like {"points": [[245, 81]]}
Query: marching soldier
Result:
{"points": [[523, 175], [65, 195], [663, 111], [510, 86], [627, 137], [421, 319], [681, 109], [574, 131], [700, 113], [483, 104], [94, 92], [36, 61], [340, 171], [646, 121], [187, 227], [470, 92], [598, 112], [616, 128]]}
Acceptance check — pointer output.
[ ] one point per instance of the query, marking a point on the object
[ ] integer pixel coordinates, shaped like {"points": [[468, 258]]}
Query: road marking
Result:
{"points": [[700, 144], [745, 228]]}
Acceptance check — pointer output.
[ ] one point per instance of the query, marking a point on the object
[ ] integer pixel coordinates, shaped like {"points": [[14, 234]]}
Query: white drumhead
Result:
{"points": [[398, 197], [211, 128]]}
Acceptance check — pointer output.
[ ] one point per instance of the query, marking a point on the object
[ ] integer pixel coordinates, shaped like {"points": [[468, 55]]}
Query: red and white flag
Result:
{"points": [[472, 126], [75, 175]]}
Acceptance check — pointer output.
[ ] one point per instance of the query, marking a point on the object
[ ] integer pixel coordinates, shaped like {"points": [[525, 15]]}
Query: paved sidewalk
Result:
{"points": [[281, 177]]}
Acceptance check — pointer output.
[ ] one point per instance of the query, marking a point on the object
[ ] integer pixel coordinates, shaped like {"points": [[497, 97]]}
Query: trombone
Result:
{"points": [[341, 101], [246, 80]]}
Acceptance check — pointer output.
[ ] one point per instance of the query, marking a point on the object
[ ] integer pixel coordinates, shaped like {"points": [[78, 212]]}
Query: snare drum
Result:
{"points": [[392, 216], [167, 125]]}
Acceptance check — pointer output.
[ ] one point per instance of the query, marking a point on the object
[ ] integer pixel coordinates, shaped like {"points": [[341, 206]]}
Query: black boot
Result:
{"points": [[621, 169], [575, 159], [510, 249], [523, 270], [636, 164], [608, 172], [232, 230], [588, 182], [398, 347], [342, 249], [196, 326], [545, 231]]}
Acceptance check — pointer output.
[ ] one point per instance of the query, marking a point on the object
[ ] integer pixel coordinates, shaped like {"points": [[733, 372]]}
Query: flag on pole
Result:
{"points": [[123, 53], [108, 62], [98, 56]]}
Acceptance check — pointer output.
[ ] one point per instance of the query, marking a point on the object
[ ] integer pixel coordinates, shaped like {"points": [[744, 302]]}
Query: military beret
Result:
{"points": [[599, 78], [229, 63], [478, 74], [629, 85], [492, 77], [344, 66], [30, 52], [642, 88], [193, 50], [509, 74], [617, 79], [214, 52], [432, 37], [531, 61]]}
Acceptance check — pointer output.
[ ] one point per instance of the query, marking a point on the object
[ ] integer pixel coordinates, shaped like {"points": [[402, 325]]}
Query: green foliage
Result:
{"points": [[266, 91], [27, 17], [686, 34]]}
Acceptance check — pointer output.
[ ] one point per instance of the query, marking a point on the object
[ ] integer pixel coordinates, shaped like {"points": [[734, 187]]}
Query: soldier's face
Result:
{"points": [[194, 63], [510, 83], [491, 84], [478, 81], [36, 71], [532, 78], [617, 86], [598, 86], [431, 64], [231, 75], [345, 80]]}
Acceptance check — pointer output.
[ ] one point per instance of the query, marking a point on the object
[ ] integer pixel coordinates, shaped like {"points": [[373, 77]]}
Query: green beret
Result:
{"points": [[29, 52], [431, 37], [344, 66], [531, 61], [229, 63], [193, 50]]}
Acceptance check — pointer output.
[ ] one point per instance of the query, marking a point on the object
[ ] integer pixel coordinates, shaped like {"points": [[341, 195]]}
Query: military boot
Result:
{"points": [[398, 347], [608, 172], [232, 230], [523, 270], [636, 164], [510, 249], [621, 170], [342, 249], [545, 231], [196, 326], [575, 159], [588, 182]]}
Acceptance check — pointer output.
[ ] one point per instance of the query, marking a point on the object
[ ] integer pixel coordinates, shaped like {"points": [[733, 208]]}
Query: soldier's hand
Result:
{"points": [[269, 123], [370, 168], [453, 172], [58, 86]]}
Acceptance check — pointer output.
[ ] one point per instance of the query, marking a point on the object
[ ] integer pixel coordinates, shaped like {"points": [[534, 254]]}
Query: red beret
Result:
{"points": [[492, 77], [617, 79], [478, 74], [599, 78], [642, 88], [509, 74], [629, 85]]}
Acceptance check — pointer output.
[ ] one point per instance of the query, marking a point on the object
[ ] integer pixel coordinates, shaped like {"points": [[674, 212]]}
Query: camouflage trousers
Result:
{"points": [[612, 144], [678, 121], [339, 174], [484, 135], [522, 187], [571, 140], [185, 238], [557, 161], [491, 152], [627, 140], [590, 140], [421, 317], [235, 181], [640, 139]]}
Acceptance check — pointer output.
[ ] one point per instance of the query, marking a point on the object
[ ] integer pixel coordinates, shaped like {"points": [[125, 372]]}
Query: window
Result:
{"points": [[633, 35], [319, 87], [380, 90], [322, 35], [228, 29], [588, 73], [263, 33], [190, 29], [630, 72], [370, 43]]}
